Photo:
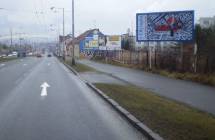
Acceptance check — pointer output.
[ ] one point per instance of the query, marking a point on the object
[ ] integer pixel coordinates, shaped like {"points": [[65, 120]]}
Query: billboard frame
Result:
{"points": [[169, 40]]}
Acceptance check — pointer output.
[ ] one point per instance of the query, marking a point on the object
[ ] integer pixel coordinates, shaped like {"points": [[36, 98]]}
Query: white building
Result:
{"points": [[206, 22]]}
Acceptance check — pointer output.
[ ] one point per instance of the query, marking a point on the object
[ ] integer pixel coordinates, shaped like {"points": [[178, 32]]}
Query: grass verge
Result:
{"points": [[199, 78], [7, 59], [82, 68], [173, 121]]}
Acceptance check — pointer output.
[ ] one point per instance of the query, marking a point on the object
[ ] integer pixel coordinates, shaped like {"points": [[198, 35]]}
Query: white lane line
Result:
{"points": [[2, 65], [24, 64], [44, 87], [49, 64]]}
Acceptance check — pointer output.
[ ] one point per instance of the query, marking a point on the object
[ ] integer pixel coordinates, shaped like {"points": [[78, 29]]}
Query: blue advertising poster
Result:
{"points": [[91, 42], [165, 26]]}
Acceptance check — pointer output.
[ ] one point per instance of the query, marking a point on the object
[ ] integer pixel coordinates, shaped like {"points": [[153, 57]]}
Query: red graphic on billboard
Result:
{"points": [[172, 25]]}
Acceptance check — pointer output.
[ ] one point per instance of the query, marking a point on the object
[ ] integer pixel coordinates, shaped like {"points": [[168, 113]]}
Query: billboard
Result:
{"points": [[165, 26], [113, 42], [91, 42]]}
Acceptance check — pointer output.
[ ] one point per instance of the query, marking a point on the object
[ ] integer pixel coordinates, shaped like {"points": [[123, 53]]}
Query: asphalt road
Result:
{"points": [[193, 94], [70, 111]]}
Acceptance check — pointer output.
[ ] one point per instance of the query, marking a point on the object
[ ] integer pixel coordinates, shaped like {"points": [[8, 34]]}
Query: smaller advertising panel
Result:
{"points": [[113, 42]]}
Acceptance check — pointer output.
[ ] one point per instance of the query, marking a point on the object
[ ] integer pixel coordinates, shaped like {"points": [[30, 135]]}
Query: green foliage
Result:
{"points": [[81, 67], [4, 49], [126, 45], [7, 59], [3, 46], [205, 37]]}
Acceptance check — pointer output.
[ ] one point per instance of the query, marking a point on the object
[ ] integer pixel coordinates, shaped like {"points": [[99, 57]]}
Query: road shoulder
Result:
{"points": [[146, 131], [170, 119]]}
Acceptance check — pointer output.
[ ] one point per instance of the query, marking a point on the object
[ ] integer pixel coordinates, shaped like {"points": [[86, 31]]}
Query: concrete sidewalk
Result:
{"points": [[199, 96]]}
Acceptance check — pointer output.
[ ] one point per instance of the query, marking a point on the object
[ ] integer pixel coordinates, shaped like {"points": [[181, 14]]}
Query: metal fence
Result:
{"points": [[176, 59]]}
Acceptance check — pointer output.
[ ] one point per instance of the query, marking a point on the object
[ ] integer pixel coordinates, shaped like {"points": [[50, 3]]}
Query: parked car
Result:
{"points": [[4, 56], [49, 55], [30, 54], [10, 55], [39, 55], [15, 53]]}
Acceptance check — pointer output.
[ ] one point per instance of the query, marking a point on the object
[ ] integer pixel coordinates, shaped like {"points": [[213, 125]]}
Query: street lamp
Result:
{"points": [[73, 33], [52, 8], [73, 29]]}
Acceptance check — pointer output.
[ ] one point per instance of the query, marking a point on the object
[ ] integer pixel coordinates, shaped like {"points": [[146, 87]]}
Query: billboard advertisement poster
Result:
{"points": [[114, 38], [165, 26], [95, 37], [114, 42], [91, 43]]}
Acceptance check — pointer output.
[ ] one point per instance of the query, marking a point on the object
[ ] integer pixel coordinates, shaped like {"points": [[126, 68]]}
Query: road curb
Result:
{"points": [[146, 131], [70, 68], [132, 119]]}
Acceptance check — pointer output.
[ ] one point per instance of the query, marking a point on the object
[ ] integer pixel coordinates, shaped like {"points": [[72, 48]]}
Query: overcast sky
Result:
{"points": [[110, 16]]}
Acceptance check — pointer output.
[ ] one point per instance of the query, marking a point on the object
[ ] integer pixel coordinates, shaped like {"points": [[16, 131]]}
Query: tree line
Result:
{"points": [[205, 55]]}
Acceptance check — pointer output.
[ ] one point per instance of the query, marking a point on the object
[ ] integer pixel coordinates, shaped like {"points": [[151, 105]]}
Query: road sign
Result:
{"points": [[165, 26]]}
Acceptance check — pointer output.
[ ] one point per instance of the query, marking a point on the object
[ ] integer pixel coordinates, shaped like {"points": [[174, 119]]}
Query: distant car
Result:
{"points": [[49, 55], [30, 54], [4, 56], [39, 55], [15, 53], [10, 55]]}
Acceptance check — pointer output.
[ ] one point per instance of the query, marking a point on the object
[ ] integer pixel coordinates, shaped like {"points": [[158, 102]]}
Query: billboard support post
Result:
{"points": [[150, 56], [182, 56]]}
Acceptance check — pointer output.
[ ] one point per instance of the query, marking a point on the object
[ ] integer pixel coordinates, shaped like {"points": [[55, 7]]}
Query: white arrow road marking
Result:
{"points": [[44, 87], [49, 64]]}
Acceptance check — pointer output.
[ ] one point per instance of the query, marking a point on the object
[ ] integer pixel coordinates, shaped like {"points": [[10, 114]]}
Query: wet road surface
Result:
{"points": [[70, 111]]}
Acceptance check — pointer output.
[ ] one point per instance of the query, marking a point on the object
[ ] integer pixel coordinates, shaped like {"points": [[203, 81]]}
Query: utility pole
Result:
{"points": [[63, 24], [11, 38], [63, 35], [20, 42], [73, 33]]}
